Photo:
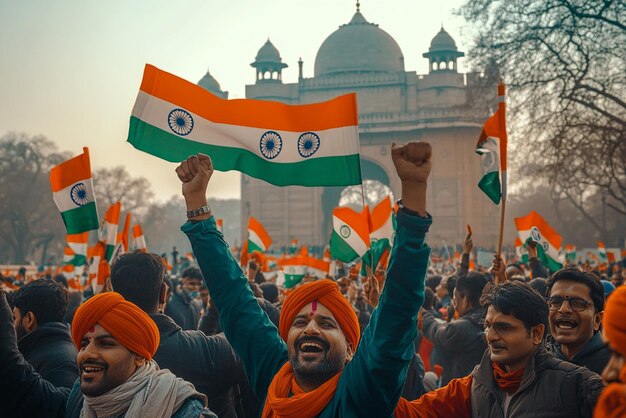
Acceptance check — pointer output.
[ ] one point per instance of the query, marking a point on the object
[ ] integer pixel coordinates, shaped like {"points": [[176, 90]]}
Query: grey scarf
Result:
{"points": [[149, 392]]}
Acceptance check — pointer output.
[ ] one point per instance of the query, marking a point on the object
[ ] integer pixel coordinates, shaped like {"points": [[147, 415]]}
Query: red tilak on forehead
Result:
{"points": [[313, 308], [92, 329]]}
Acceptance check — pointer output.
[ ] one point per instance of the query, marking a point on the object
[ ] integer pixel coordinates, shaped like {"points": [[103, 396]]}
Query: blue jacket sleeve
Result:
{"points": [[246, 326], [375, 376]]}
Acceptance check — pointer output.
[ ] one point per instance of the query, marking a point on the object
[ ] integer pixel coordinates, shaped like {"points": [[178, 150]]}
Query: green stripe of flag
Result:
{"points": [[253, 247], [340, 249], [329, 171], [552, 264], [490, 185], [81, 219]]}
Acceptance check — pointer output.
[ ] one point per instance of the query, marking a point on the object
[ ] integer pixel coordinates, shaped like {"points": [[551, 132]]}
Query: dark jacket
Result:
{"points": [[23, 392], [460, 344], [50, 350], [594, 355], [208, 362], [184, 310], [550, 388]]}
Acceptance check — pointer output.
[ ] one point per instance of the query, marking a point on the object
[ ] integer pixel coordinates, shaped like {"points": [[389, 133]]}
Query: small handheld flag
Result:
{"points": [[533, 227], [73, 193]]}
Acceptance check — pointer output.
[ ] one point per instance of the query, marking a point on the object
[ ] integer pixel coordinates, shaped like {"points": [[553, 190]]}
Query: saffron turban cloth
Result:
{"points": [[613, 320], [126, 322], [327, 293]]}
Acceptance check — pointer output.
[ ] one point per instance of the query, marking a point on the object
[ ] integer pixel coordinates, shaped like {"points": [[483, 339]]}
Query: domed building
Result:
{"points": [[394, 105]]}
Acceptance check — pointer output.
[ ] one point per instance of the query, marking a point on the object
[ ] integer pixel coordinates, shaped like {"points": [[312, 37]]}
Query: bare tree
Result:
{"points": [[116, 184], [564, 62], [28, 215]]}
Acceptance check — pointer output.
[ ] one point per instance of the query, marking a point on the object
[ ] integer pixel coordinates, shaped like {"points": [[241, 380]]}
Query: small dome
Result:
{"points": [[268, 53], [209, 83], [442, 42], [358, 46]]}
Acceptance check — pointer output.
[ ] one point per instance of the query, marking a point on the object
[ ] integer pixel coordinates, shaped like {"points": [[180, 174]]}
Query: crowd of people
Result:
{"points": [[414, 340]]}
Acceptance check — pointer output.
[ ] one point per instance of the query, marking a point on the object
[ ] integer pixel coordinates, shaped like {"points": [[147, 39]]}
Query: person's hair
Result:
{"points": [[62, 280], [192, 273], [270, 291], [471, 285], [451, 284], [429, 298], [138, 277], [590, 280], [433, 282], [519, 300], [46, 299], [539, 284]]}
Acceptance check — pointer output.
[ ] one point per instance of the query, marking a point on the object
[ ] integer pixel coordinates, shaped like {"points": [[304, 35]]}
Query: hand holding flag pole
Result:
{"points": [[503, 148]]}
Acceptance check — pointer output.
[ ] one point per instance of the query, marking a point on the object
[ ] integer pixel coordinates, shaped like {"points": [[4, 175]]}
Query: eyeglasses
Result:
{"points": [[575, 304]]}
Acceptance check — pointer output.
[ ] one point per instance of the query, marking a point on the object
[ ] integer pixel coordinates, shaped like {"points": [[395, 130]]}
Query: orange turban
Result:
{"points": [[131, 326], [613, 320], [327, 293]]}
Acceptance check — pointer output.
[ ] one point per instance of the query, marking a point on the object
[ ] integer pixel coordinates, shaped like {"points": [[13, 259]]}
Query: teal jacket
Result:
{"points": [[371, 383]]}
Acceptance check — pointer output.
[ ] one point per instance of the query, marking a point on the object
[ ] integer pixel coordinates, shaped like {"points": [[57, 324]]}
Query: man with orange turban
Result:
{"points": [[612, 401], [117, 376], [315, 364]]}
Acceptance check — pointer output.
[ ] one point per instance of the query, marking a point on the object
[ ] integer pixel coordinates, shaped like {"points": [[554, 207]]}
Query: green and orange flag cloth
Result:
{"points": [[533, 227], [73, 193], [492, 147], [308, 145]]}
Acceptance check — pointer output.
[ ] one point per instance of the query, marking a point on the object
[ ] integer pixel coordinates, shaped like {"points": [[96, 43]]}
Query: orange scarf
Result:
{"points": [[278, 403], [612, 402], [507, 381]]}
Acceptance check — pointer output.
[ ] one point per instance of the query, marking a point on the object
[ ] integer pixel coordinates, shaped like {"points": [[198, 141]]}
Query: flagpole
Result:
{"points": [[503, 158], [363, 196]]}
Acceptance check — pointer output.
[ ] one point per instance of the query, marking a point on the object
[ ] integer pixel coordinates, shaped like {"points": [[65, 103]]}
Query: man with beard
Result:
{"points": [[42, 336], [517, 377], [313, 365], [576, 302], [116, 341]]}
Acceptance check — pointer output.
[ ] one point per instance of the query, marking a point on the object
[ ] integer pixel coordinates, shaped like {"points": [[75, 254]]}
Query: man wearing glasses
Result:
{"points": [[576, 302], [516, 377]]}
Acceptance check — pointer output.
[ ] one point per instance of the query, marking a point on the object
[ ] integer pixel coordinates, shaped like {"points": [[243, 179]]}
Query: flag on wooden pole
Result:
{"points": [[108, 232], [307, 145], [350, 237], [492, 147], [73, 193]]}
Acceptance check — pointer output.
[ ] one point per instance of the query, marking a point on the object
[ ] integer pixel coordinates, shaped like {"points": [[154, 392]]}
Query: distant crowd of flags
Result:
{"points": [[74, 195]]}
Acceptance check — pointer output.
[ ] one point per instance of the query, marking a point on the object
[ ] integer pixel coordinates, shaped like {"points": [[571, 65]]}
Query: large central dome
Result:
{"points": [[359, 46]]}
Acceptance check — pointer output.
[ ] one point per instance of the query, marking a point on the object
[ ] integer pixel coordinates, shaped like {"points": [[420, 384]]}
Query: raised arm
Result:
{"points": [[375, 376], [23, 392], [248, 329]]}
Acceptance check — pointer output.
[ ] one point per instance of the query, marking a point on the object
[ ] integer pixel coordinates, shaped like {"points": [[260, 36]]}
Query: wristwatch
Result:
{"points": [[411, 212], [197, 212]]}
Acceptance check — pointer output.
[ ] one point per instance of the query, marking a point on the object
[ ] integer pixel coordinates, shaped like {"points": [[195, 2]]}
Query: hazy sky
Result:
{"points": [[70, 70]]}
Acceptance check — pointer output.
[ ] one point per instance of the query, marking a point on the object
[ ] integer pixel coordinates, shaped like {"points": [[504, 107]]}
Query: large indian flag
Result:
{"points": [[533, 227], [308, 145], [350, 236], [492, 147], [72, 191], [258, 238]]}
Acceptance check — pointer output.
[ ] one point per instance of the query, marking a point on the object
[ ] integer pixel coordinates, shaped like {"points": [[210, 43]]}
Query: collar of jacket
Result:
{"points": [[483, 373], [591, 347], [44, 334]]}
